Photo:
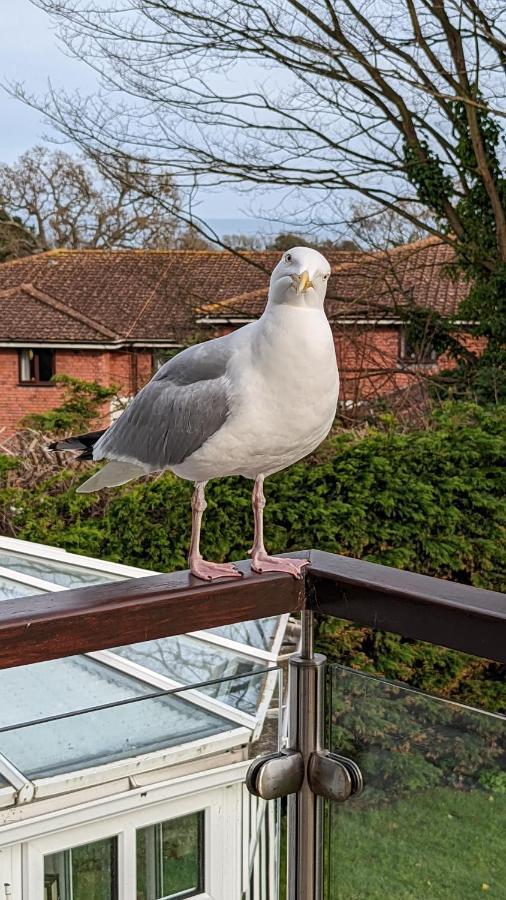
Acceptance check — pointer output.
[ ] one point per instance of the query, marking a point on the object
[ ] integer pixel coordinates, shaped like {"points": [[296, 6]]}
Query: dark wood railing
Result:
{"points": [[52, 625], [416, 606]]}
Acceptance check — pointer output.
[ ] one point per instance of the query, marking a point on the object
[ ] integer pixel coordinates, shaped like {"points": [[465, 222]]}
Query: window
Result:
{"points": [[82, 873], [36, 366], [170, 859], [415, 349]]}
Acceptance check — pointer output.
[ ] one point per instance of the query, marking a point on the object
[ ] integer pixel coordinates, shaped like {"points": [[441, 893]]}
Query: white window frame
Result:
{"points": [[10, 872], [24, 366], [222, 843]]}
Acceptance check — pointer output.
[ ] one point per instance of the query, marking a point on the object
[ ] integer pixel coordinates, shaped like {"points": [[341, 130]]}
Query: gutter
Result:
{"points": [[83, 345], [233, 320]]}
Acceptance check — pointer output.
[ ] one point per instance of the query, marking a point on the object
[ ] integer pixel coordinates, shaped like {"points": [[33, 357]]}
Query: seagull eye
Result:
{"points": [[325, 277], [288, 257]]}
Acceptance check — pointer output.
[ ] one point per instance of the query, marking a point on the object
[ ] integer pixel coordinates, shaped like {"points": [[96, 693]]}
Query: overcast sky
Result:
{"points": [[30, 53]]}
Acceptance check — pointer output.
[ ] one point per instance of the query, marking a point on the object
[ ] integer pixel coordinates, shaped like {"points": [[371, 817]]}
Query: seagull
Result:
{"points": [[249, 403]]}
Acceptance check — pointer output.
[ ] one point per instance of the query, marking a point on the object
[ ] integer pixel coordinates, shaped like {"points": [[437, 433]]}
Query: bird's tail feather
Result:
{"points": [[112, 474], [83, 442]]}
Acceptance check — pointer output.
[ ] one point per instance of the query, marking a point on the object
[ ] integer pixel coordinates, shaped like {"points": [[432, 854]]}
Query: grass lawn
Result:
{"points": [[442, 844]]}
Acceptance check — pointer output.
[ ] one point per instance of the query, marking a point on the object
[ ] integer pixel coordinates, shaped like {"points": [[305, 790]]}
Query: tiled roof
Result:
{"points": [[26, 315], [413, 274], [105, 296], [375, 285]]}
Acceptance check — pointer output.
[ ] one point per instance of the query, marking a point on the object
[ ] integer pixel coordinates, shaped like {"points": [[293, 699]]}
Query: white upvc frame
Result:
{"points": [[29, 548], [222, 842], [24, 788], [10, 873], [271, 655], [273, 679], [7, 796], [227, 643], [40, 584], [407, 363], [185, 692], [123, 780], [95, 775], [120, 344]]}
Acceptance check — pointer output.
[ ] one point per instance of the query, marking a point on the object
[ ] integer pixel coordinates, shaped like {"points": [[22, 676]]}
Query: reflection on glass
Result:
{"points": [[191, 661], [66, 574], [170, 858], [256, 633], [9, 590], [98, 736], [432, 818], [88, 872], [60, 685]]}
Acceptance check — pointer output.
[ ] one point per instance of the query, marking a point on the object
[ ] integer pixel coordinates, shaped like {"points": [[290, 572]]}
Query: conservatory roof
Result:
{"points": [[69, 715]]}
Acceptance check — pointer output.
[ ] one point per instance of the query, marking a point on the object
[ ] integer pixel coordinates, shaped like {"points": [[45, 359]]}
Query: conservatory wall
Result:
{"points": [[122, 771]]}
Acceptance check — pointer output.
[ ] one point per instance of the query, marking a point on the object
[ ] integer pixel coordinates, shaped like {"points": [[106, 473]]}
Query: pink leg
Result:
{"points": [[198, 566], [260, 561]]}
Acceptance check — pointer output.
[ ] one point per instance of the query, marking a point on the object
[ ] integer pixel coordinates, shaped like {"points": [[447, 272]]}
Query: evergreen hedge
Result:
{"points": [[432, 501]]}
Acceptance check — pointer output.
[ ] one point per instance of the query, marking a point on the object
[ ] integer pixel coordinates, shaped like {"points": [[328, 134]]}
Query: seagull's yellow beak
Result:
{"points": [[303, 282]]}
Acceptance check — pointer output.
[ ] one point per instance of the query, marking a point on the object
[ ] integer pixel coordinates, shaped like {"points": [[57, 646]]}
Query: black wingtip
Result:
{"points": [[84, 442]]}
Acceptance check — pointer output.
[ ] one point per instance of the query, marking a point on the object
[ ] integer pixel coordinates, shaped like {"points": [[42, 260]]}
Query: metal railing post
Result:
{"points": [[305, 736]]}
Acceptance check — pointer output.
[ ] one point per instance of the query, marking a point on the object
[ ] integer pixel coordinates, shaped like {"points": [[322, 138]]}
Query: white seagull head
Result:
{"points": [[300, 278]]}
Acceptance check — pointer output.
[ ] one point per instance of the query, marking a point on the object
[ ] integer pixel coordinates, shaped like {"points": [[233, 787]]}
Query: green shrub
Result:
{"points": [[405, 741], [494, 782], [82, 402], [432, 501]]}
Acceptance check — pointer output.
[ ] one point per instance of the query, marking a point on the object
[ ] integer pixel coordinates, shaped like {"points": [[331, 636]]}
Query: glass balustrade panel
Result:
{"points": [[431, 820]]}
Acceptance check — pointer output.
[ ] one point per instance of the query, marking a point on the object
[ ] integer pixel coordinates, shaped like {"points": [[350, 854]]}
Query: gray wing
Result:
{"points": [[171, 417]]}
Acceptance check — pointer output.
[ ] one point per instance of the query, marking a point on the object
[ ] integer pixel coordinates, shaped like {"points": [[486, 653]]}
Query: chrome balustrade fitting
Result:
{"points": [[305, 772]]}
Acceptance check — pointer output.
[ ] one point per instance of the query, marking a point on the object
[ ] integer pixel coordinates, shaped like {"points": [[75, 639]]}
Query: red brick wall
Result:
{"points": [[130, 371], [369, 364], [367, 358], [368, 361]]}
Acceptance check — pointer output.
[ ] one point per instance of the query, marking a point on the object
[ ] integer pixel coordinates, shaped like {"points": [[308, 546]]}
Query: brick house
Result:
{"points": [[111, 316], [366, 298]]}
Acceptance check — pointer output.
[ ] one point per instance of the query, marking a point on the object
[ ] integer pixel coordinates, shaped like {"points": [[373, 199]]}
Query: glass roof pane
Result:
{"points": [[67, 574], [256, 633], [33, 692], [96, 737], [59, 686], [9, 590], [190, 661], [104, 736]]}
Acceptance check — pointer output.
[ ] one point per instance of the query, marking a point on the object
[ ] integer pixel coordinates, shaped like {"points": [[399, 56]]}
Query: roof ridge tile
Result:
{"points": [[67, 310]]}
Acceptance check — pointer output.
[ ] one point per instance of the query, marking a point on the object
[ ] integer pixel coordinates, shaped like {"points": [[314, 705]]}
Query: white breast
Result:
{"points": [[283, 397]]}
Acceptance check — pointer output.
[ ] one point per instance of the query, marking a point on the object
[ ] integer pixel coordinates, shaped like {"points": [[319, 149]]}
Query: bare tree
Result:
{"points": [[244, 241], [286, 239], [375, 228], [66, 202], [190, 238], [398, 101], [16, 239]]}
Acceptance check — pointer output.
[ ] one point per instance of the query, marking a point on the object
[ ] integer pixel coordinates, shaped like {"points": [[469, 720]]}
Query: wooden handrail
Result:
{"points": [[417, 606], [52, 625]]}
